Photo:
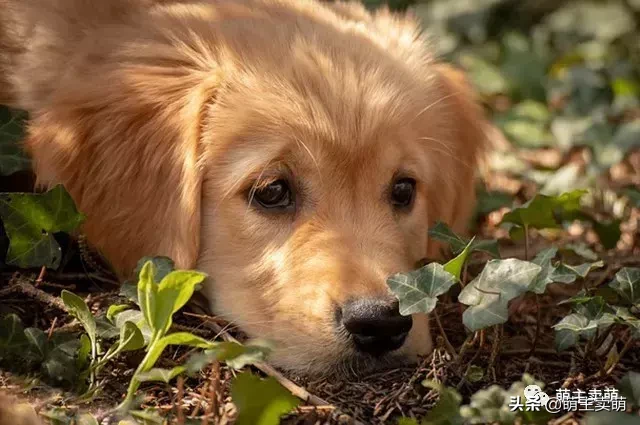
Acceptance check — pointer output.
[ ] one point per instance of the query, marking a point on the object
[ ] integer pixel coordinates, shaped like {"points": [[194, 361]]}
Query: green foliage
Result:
{"points": [[31, 220], [260, 401], [542, 211], [627, 284], [12, 159], [441, 232], [447, 409], [488, 294], [418, 290], [59, 360]]}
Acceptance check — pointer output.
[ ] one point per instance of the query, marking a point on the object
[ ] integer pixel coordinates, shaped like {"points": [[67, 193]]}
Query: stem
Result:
{"points": [[526, 242], [537, 334], [447, 343], [142, 367], [624, 350], [43, 270]]}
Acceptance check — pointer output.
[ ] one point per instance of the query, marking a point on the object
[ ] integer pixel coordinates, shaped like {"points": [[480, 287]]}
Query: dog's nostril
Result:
{"points": [[375, 325]]}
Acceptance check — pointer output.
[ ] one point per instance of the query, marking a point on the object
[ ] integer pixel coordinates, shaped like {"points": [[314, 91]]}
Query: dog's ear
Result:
{"points": [[121, 132], [453, 198]]}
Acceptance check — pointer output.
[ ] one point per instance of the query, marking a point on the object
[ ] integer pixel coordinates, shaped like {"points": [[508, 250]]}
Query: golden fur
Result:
{"points": [[159, 116]]}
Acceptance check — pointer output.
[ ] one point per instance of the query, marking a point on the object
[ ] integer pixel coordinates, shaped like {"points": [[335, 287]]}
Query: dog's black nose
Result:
{"points": [[375, 325]]}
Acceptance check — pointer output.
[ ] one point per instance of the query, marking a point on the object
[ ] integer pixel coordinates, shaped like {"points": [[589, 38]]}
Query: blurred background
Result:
{"points": [[560, 80]]}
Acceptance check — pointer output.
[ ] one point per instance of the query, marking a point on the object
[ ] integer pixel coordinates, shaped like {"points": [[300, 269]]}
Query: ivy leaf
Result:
{"points": [[11, 334], [629, 387], [418, 290], [569, 329], [260, 401], [79, 309], [441, 232], [447, 409], [12, 158], [627, 284], [31, 219], [608, 232], [37, 342], [542, 211], [488, 295], [566, 273]]}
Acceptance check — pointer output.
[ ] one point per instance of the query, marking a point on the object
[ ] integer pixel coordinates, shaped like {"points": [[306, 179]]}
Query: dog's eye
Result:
{"points": [[273, 195], [402, 192]]}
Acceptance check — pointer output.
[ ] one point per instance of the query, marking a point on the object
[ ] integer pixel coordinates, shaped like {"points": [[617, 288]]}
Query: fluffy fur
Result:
{"points": [[160, 116]]}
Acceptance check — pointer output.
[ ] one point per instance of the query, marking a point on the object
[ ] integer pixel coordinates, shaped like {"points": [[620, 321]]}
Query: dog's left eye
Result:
{"points": [[274, 195], [402, 192]]}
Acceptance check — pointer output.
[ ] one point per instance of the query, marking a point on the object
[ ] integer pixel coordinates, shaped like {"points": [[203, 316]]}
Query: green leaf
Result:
{"points": [[441, 232], [582, 250], [541, 211], [629, 387], [418, 290], [177, 338], [233, 354], [137, 318], [37, 341], [486, 78], [474, 374], [260, 401], [79, 309], [130, 338], [147, 291], [163, 266], [173, 292], [115, 309], [454, 266], [12, 158], [447, 409], [488, 295], [627, 284], [11, 334], [608, 232], [84, 351], [31, 219], [162, 375]]}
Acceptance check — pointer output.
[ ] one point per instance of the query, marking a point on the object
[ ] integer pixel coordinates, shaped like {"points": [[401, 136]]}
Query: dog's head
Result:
{"points": [[298, 166]]}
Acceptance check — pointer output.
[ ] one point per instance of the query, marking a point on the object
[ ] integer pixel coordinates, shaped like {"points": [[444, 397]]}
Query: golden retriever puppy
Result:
{"points": [[295, 151]]}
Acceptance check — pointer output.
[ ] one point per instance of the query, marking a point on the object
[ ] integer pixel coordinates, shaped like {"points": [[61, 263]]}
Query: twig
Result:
{"points": [[179, 398], [295, 389], [33, 292], [495, 349], [214, 390], [43, 270], [52, 327], [537, 334], [450, 349]]}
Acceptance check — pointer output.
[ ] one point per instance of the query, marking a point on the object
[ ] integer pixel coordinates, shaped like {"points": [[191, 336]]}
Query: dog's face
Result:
{"points": [[299, 165], [314, 194]]}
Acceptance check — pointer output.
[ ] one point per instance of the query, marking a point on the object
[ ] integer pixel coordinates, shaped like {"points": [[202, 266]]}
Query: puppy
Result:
{"points": [[295, 151]]}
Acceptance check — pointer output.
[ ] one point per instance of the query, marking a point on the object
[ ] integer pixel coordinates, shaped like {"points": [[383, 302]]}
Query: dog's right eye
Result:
{"points": [[273, 195]]}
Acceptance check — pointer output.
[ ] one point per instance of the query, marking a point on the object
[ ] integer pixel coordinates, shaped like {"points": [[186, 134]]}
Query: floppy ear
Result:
{"points": [[121, 131], [453, 198]]}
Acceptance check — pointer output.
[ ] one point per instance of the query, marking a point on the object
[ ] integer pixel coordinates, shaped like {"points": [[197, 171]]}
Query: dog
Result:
{"points": [[295, 151]]}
